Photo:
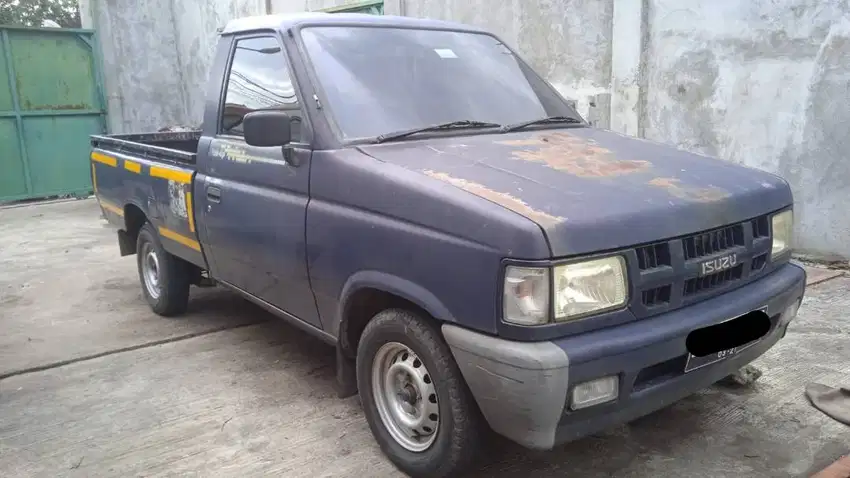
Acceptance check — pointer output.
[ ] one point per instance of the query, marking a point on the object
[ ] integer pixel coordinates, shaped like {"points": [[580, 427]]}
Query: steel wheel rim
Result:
{"points": [[405, 397], [150, 270]]}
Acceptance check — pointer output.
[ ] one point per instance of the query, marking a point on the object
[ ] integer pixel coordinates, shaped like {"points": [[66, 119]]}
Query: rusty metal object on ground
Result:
{"points": [[745, 376]]}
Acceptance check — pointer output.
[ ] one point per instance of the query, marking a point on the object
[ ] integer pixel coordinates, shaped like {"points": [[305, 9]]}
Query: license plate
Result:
{"points": [[695, 362]]}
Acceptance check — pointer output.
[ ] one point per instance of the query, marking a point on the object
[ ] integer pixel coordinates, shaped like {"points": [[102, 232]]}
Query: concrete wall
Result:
{"points": [[196, 22], [764, 83], [760, 82], [156, 54], [138, 58]]}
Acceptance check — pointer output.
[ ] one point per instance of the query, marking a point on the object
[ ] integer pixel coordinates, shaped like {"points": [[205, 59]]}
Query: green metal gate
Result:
{"points": [[51, 100]]}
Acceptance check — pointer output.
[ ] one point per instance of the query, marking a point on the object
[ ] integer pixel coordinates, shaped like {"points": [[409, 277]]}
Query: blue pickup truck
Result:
{"points": [[415, 195]]}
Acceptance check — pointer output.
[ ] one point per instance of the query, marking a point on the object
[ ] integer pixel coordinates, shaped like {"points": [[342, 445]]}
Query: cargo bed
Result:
{"points": [[178, 147], [141, 178]]}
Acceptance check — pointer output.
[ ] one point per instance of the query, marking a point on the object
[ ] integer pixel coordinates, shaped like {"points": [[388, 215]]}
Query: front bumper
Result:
{"points": [[523, 388]]}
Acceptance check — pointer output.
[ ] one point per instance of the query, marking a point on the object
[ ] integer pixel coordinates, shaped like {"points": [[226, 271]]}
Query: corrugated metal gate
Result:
{"points": [[51, 100]]}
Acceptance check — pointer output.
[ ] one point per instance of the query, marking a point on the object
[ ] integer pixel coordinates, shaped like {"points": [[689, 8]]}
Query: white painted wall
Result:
{"points": [[765, 83]]}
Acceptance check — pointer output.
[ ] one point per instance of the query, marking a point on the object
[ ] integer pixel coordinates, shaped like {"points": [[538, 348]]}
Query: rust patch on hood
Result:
{"points": [[575, 155], [709, 194], [503, 199]]}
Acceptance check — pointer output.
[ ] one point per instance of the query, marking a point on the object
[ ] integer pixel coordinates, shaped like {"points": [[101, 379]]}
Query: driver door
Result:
{"points": [[256, 200]]}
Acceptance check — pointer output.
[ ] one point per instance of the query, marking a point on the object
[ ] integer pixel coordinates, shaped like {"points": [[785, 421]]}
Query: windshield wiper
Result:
{"points": [[549, 120], [437, 127]]}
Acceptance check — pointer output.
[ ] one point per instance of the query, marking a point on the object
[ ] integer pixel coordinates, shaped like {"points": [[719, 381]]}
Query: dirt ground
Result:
{"points": [[94, 384]]}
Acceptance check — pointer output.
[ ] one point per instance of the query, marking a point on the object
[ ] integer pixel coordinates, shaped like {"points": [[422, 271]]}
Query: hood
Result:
{"points": [[592, 190]]}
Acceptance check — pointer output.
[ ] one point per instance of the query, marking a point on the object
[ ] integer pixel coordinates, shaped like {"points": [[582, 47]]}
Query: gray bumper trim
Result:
{"points": [[521, 388]]}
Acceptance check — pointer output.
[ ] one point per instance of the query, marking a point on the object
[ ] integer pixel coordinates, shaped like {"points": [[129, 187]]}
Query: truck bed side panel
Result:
{"points": [[162, 192]]}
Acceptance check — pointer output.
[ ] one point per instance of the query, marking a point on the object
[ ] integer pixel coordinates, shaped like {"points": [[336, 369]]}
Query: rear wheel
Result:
{"points": [[165, 278], [415, 400]]}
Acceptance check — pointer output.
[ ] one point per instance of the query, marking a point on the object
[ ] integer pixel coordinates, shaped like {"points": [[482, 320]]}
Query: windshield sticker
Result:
{"points": [[445, 53]]}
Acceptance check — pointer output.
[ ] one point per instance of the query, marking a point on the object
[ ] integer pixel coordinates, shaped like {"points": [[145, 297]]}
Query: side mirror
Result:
{"points": [[267, 128]]}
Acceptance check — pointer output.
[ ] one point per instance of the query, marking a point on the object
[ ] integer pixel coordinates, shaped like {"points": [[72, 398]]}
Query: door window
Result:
{"points": [[259, 79]]}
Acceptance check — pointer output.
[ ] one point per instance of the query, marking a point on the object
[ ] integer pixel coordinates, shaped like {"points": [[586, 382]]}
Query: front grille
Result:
{"points": [[759, 262], [653, 256], [712, 242], [656, 296], [761, 228], [698, 285], [667, 274]]}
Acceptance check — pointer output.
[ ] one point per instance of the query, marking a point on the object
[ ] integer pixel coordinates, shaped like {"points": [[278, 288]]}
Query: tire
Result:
{"points": [[167, 292], [389, 338]]}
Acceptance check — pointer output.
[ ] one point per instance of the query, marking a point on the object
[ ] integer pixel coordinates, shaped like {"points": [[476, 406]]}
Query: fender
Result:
{"points": [[393, 285]]}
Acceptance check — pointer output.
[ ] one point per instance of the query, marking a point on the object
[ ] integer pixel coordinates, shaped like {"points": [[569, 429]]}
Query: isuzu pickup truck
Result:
{"points": [[415, 195]]}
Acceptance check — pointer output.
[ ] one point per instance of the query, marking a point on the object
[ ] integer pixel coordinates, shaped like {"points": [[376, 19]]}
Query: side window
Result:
{"points": [[259, 80]]}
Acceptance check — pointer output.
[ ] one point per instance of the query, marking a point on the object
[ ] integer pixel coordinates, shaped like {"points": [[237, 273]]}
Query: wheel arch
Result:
{"points": [[368, 292], [134, 219]]}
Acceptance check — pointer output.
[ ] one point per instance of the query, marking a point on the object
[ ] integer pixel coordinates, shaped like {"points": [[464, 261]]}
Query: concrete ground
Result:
{"points": [[94, 384]]}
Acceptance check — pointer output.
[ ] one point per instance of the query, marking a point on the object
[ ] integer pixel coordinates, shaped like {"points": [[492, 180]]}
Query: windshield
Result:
{"points": [[381, 80]]}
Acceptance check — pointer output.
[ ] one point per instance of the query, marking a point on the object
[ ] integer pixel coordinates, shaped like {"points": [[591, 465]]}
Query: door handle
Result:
{"points": [[213, 194]]}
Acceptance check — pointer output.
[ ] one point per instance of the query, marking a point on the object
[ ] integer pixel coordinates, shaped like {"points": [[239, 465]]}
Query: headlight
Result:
{"points": [[590, 287], [526, 299], [782, 227]]}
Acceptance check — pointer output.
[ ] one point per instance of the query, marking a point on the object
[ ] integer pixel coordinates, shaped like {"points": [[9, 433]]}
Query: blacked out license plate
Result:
{"points": [[695, 362]]}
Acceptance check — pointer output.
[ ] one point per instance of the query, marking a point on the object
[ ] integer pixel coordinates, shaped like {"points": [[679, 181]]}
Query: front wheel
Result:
{"points": [[164, 277], [414, 397]]}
